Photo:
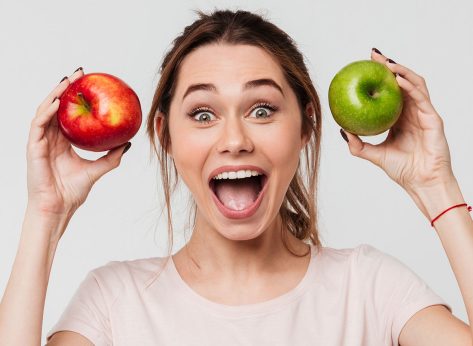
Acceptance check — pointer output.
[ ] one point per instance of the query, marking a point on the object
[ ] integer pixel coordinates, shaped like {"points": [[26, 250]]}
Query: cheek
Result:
{"points": [[189, 150], [282, 144]]}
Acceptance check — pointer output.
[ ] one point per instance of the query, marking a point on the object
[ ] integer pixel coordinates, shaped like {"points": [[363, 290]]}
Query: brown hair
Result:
{"points": [[298, 210]]}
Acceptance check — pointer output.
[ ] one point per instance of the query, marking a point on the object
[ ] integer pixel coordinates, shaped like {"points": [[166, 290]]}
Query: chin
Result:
{"points": [[240, 233]]}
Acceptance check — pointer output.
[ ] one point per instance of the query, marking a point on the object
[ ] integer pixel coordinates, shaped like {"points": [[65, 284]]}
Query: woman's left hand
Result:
{"points": [[415, 153]]}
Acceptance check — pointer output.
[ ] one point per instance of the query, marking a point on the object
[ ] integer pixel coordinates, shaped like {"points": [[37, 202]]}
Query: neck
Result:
{"points": [[209, 254]]}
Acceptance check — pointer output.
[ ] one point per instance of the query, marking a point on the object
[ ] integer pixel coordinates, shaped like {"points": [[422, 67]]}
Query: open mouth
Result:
{"points": [[238, 194]]}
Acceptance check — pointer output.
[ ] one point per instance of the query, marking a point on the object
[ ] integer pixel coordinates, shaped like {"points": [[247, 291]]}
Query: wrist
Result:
{"points": [[36, 210], [434, 199], [47, 226]]}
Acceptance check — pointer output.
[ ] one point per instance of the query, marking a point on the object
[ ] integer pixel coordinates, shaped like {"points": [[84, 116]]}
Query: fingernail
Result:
{"points": [[127, 147], [344, 135], [376, 50], [62, 80], [80, 68], [391, 61]]}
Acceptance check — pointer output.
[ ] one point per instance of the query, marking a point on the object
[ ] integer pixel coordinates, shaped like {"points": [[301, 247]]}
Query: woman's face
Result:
{"points": [[232, 113]]}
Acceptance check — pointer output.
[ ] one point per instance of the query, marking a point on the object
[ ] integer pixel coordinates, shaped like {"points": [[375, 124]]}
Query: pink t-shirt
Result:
{"points": [[356, 296]]}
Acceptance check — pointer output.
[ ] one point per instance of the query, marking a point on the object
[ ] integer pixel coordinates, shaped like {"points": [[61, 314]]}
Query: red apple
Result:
{"points": [[99, 112]]}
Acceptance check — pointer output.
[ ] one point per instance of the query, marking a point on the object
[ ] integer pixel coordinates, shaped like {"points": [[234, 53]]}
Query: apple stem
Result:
{"points": [[83, 101], [374, 94]]}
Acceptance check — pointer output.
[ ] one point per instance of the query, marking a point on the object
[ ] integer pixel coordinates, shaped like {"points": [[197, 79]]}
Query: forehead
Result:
{"points": [[226, 63]]}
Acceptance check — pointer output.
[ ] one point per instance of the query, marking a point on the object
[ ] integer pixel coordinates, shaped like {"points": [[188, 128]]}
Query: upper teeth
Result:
{"points": [[236, 174]]}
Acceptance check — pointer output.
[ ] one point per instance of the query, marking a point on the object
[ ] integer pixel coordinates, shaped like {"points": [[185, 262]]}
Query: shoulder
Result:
{"points": [[371, 260], [115, 277], [364, 262], [378, 274], [361, 254], [138, 269]]}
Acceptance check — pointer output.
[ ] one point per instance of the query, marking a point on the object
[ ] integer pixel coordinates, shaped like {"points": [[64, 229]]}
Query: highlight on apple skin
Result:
{"points": [[99, 112], [364, 98]]}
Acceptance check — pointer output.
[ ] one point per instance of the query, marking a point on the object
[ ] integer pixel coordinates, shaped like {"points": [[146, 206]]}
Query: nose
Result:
{"points": [[234, 138]]}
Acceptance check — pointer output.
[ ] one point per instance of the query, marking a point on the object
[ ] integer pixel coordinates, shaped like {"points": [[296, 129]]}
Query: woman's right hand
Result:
{"points": [[59, 180]]}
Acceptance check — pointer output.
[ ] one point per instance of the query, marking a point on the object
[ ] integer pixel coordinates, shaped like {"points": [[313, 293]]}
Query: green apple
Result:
{"points": [[364, 98]]}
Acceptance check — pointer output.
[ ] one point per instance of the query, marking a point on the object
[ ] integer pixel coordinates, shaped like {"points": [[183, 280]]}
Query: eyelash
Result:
{"points": [[260, 104]]}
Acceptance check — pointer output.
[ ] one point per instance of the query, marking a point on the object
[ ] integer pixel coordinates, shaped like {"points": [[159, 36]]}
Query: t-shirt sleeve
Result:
{"points": [[397, 292], [88, 310]]}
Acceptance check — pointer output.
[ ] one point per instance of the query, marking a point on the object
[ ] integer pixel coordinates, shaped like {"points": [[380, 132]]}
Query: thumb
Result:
{"points": [[362, 149], [108, 162]]}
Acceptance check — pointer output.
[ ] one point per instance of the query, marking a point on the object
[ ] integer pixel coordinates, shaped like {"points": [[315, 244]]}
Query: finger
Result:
{"points": [[421, 100], [76, 74], [60, 88], [55, 93], [47, 110], [363, 150], [408, 74], [43, 118], [107, 162], [41, 121], [415, 79], [376, 55]]}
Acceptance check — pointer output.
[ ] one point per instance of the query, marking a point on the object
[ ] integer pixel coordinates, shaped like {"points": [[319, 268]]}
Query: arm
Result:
{"points": [[22, 306], [416, 156], [455, 230], [68, 338], [59, 182]]}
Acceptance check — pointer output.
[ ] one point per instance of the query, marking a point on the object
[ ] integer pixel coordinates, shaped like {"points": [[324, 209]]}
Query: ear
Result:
{"points": [[159, 126], [309, 112]]}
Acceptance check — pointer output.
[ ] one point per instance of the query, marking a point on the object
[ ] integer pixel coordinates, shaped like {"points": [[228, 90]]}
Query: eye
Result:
{"points": [[263, 110], [202, 115]]}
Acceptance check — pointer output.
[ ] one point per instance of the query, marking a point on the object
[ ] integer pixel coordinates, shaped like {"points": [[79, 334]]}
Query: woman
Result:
{"points": [[233, 110]]}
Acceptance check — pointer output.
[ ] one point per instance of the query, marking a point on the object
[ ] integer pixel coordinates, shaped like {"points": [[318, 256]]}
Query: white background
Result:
{"points": [[40, 42]]}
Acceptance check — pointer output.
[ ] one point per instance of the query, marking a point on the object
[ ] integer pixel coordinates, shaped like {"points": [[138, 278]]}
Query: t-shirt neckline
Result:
{"points": [[223, 310]]}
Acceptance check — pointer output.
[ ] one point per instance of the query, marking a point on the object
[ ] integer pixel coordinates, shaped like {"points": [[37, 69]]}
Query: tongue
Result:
{"points": [[237, 194]]}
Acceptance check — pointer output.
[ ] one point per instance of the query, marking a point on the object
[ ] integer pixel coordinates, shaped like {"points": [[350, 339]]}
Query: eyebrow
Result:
{"points": [[248, 85]]}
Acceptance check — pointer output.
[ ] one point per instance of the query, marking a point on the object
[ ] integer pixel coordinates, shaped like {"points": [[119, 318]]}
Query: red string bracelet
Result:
{"points": [[443, 212]]}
